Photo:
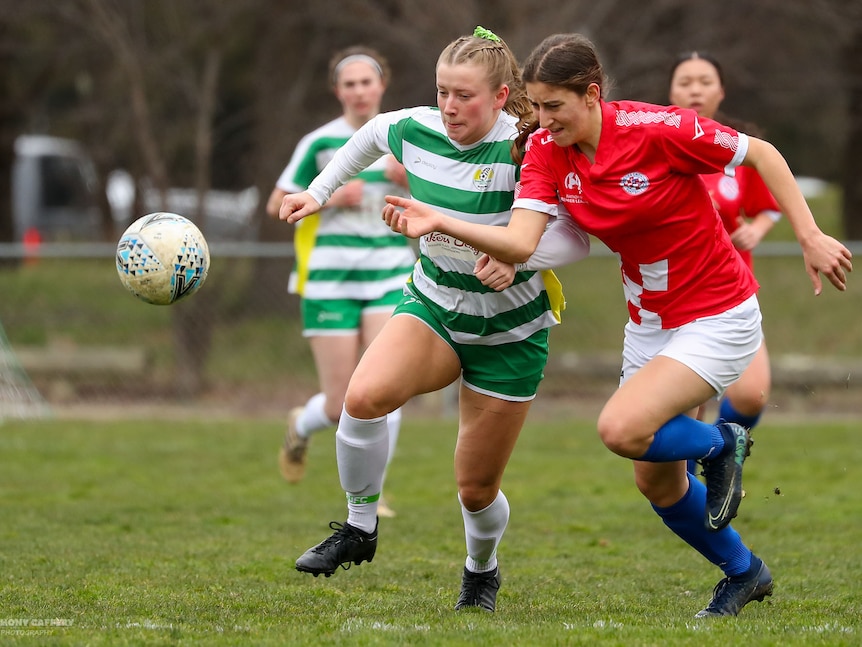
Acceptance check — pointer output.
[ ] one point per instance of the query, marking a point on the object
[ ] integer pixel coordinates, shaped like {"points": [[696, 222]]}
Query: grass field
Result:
{"points": [[164, 532]]}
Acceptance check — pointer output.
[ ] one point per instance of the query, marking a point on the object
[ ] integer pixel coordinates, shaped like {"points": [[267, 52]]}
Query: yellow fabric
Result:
{"points": [[303, 242], [555, 293]]}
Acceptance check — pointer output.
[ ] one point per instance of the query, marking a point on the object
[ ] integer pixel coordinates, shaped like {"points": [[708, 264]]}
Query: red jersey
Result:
{"points": [[644, 198], [744, 195]]}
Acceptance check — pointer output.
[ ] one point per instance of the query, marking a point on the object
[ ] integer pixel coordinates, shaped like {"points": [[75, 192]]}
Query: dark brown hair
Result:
{"points": [[565, 60]]}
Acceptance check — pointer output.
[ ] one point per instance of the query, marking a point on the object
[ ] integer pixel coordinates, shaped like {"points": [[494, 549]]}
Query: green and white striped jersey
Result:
{"points": [[475, 183], [351, 253]]}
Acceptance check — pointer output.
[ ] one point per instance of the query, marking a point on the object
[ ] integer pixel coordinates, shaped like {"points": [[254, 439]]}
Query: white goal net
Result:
{"points": [[19, 398]]}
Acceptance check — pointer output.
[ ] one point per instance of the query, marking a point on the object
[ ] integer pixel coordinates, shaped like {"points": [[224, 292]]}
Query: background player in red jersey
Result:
{"points": [[628, 173], [747, 209]]}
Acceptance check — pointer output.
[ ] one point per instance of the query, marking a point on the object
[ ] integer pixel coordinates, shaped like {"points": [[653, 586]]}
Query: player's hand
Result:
{"points": [[296, 206], [746, 236], [409, 217], [493, 273], [825, 255]]}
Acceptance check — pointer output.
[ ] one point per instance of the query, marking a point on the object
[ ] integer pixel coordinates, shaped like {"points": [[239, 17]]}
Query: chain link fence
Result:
{"points": [[77, 343]]}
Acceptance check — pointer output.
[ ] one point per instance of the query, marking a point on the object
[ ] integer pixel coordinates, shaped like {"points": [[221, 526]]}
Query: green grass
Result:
{"points": [[165, 532]]}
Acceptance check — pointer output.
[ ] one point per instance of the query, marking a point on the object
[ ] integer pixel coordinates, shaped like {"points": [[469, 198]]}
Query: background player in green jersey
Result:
{"points": [[350, 268]]}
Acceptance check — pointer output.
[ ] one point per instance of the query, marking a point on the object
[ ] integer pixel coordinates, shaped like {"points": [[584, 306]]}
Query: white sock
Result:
{"points": [[362, 447], [484, 530], [393, 421], [313, 417]]}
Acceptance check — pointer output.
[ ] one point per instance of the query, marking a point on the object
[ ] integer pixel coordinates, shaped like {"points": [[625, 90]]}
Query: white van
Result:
{"points": [[55, 192]]}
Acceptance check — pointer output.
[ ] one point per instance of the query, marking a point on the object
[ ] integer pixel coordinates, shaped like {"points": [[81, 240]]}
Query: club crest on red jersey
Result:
{"points": [[634, 183], [728, 187]]}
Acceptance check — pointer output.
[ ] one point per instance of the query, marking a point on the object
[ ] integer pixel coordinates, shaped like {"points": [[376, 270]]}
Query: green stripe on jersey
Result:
{"points": [[479, 325], [346, 240], [354, 274], [458, 199]]}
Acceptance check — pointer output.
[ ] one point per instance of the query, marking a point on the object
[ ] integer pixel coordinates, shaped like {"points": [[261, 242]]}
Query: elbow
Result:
{"points": [[520, 252]]}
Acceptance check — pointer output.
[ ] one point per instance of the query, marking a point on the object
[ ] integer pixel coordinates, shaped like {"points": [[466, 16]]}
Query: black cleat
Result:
{"points": [[479, 590], [723, 476], [733, 593], [345, 546]]}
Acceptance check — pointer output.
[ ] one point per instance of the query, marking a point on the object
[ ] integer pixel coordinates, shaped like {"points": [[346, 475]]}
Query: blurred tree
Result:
{"points": [[8, 127], [255, 71], [168, 62], [851, 60]]}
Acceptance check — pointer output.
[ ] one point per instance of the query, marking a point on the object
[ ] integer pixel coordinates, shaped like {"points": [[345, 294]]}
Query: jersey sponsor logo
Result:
{"points": [[323, 317], [422, 162], [725, 140], [639, 117], [437, 244], [698, 131], [573, 183], [547, 139], [634, 183], [482, 178]]}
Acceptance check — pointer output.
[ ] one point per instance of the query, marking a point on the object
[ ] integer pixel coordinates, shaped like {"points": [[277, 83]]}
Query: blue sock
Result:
{"points": [[683, 437], [728, 413], [723, 548]]}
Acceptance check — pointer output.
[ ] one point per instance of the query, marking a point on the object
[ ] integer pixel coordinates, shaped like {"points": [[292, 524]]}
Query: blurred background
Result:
{"points": [[111, 109]]}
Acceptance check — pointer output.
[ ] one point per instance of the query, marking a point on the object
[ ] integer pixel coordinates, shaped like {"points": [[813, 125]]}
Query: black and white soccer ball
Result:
{"points": [[162, 258]]}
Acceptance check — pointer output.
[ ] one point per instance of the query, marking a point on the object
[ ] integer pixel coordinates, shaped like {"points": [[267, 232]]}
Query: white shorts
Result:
{"points": [[718, 348]]}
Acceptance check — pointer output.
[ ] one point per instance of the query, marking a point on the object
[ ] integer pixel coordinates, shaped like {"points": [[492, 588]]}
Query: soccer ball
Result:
{"points": [[162, 258]]}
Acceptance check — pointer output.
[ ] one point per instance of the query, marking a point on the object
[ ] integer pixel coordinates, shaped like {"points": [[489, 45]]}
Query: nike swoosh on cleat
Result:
{"points": [[712, 519]]}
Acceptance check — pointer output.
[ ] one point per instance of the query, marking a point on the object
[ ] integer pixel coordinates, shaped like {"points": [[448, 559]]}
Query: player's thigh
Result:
{"points": [[660, 390], [405, 359], [372, 323], [335, 358], [750, 392], [376, 313]]}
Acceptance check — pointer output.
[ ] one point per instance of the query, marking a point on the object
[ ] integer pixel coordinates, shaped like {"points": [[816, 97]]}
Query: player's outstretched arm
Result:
{"points": [[513, 243], [822, 254]]}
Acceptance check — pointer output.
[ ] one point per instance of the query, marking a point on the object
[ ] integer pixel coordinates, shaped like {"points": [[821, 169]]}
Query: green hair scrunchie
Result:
{"points": [[487, 34]]}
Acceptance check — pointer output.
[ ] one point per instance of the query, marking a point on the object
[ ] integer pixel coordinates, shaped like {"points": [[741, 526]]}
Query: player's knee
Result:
{"points": [[616, 433], [475, 496], [365, 402], [750, 403]]}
